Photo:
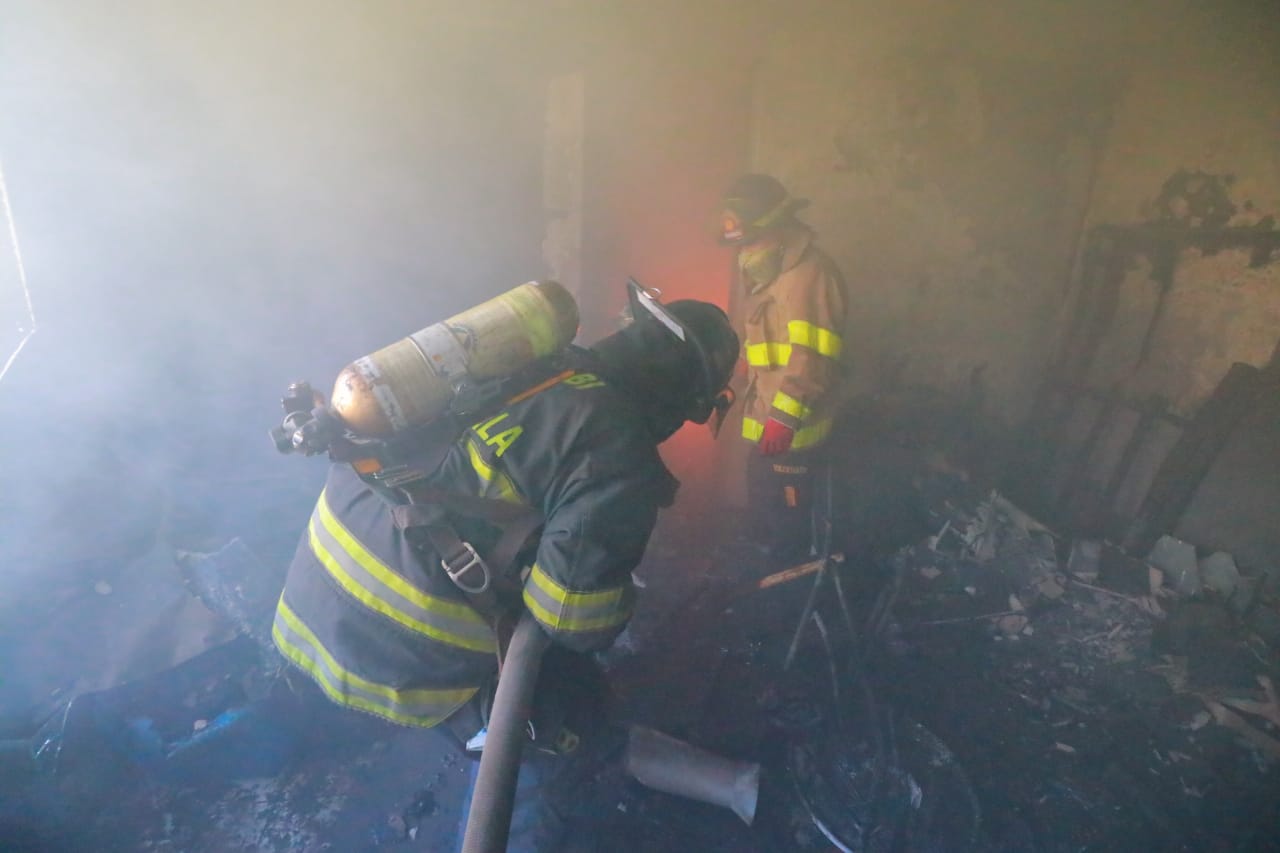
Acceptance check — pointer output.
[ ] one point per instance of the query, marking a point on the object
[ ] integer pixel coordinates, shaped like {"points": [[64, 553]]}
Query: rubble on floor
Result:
{"points": [[1076, 693], [1142, 708]]}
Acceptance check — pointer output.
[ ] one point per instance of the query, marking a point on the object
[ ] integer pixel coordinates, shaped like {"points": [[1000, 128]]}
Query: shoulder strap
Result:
{"points": [[485, 579]]}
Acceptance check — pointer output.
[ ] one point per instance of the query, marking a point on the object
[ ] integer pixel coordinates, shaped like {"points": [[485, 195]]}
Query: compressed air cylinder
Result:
{"points": [[412, 381]]}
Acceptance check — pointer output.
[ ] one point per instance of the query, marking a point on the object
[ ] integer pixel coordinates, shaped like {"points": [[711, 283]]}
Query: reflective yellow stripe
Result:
{"points": [[377, 587], [790, 405], [768, 355], [807, 436], [494, 483], [420, 707], [561, 609], [823, 341]]}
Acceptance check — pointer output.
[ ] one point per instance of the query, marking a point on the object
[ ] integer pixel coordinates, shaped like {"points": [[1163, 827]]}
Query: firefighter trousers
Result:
{"points": [[787, 499]]}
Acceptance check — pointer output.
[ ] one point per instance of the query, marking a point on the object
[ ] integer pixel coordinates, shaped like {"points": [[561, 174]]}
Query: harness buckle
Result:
{"points": [[472, 562]]}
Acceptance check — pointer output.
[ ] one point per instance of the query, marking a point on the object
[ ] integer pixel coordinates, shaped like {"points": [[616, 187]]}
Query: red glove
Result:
{"points": [[776, 439]]}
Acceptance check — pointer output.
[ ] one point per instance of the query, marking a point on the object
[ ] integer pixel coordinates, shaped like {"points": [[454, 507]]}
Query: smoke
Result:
{"points": [[216, 199], [15, 302]]}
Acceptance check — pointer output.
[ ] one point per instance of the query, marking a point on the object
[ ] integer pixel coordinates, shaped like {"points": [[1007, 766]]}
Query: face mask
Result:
{"points": [[761, 266]]}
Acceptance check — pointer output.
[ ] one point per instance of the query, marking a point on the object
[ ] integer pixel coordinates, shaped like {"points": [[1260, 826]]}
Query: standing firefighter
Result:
{"points": [[793, 310], [390, 606]]}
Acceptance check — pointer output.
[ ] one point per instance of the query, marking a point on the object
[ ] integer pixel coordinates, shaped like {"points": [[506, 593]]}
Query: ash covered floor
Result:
{"points": [[1080, 702]]}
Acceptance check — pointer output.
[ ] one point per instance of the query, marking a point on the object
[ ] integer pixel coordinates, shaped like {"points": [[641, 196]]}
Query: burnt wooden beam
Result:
{"points": [[1191, 458]]}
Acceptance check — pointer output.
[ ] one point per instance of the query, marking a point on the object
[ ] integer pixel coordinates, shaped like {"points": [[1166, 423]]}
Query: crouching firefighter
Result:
{"points": [[536, 492]]}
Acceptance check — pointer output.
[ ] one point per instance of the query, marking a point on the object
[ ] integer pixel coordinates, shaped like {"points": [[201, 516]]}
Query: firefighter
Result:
{"points": [[793, 309], [368, 611]]}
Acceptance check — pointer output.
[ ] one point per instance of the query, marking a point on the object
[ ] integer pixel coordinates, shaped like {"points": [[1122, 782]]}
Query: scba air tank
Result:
{"points": [[412, 381]]}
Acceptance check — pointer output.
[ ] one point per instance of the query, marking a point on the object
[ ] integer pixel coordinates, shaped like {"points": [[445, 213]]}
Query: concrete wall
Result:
{"points": [[1203, 96], [949, 151]]}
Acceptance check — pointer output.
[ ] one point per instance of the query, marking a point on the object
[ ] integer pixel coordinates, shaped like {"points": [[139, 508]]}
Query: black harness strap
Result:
{"points": [[486, 580]]}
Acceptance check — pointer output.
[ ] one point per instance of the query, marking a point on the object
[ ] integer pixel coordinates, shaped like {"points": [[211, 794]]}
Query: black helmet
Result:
{"points": [[714, 345], [754, 205], [676, 359]]}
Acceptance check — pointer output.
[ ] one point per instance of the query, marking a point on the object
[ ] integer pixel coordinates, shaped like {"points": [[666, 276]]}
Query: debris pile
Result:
{"points": [[1147, 683]]}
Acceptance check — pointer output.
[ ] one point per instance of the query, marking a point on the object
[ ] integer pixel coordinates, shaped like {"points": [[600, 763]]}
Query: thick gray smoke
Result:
{"points": [[213, 200]]}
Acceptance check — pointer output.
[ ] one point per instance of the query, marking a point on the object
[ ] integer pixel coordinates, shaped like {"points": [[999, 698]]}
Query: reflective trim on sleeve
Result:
{"points": [[790, 405], [376, 586], [419, 707], [561, 609], [493, 483], [820, 340], [807, 436], [769, 355], [813, 434]]}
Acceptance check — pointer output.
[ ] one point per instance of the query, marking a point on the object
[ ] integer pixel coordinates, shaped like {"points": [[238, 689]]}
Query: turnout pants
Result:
{"points": [[787, 499]]}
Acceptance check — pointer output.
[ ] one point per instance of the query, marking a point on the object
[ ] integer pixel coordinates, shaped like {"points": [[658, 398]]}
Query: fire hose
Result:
{"points": [[492, 801]]}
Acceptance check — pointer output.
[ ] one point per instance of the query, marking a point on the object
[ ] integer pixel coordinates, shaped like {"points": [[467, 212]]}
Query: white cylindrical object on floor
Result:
{"points": [[665, 764]]}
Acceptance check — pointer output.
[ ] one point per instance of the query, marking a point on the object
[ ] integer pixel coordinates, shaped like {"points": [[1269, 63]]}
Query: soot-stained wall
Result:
{"points": [[1194, 145], [949, 151]]}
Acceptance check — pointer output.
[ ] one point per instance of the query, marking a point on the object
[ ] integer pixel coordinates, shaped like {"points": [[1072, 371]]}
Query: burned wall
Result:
{"points": [[1193, 149], [1177, 289], [948, 150]]}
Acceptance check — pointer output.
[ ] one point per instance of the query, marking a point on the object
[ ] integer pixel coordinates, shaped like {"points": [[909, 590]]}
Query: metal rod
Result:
{"points": [[492, 801], [804, 615], [827, 559]]}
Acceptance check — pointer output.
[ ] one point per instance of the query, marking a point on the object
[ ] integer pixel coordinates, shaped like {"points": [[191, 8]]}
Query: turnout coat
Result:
{"points": [[374, 620]]}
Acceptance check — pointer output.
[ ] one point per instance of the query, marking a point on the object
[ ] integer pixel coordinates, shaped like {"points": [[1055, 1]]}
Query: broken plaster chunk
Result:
{"points": [[1199, 721], [1012, 625], [1246, 595], [1219, 573], [1086, 555], [1050, 587], [1177, 559]]}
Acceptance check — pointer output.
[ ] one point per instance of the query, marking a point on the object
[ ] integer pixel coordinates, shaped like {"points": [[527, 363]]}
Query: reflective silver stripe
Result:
{"points": [[563, 610], [416, 707], [378, 587]]}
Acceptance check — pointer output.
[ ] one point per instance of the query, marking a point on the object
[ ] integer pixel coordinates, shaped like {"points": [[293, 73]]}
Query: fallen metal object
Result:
{"points": [[672, 766]]}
